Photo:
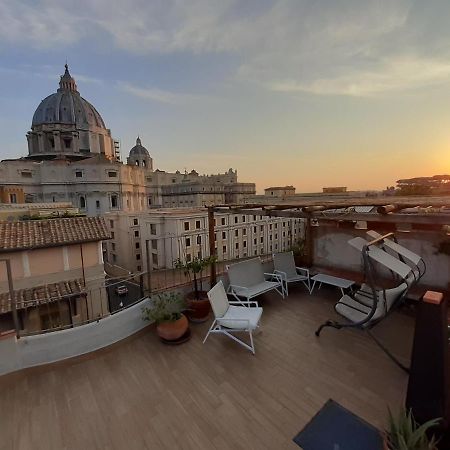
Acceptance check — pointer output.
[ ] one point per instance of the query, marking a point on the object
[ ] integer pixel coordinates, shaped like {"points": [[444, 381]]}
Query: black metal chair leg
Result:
{"points": [[328, 323]]}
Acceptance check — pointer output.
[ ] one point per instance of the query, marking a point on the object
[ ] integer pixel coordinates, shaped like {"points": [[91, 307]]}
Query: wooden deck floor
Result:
{"points": [[141, 394]]}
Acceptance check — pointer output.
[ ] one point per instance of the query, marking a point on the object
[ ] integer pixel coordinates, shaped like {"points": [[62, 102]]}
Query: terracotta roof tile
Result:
{"points": [[31, 234], [39, 295]]}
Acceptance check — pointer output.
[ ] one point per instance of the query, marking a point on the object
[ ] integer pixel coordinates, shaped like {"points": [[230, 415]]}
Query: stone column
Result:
{"points": [[57, 139]]}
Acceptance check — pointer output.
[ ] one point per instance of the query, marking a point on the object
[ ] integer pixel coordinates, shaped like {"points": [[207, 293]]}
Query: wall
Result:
{"points": [[332, 250], [59, 345]]}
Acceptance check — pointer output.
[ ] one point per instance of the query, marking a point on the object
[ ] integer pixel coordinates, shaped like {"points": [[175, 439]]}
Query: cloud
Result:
{"points": [[391, 76], [324, 47], [156, 95]]}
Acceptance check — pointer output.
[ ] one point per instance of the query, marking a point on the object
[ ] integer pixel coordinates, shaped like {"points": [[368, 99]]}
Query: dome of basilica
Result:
{"points": [[66, 125]]}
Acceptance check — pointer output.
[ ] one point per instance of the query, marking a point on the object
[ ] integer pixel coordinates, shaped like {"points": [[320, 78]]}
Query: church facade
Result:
{"points": [[72, 157]]}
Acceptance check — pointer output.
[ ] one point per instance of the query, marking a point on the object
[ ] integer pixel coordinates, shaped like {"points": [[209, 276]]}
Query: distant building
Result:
{"points": [[57, 271], [73, 158], [334, 190], [183, 233], [19, 211], [280, 191]]}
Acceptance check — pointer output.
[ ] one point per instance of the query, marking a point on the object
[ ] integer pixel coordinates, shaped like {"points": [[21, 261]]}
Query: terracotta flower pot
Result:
{"points": [[198, 310], [171, 331]]}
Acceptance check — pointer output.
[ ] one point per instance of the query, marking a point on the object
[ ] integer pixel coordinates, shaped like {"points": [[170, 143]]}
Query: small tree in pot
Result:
{"points": [[198, 303], [166, 311]]}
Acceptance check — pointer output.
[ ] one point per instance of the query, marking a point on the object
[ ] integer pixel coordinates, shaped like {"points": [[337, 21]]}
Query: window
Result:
{"points": [[276, 235], [82, 202], [97, 204], [154, 244], [149, 201], [67, 143], [254, 218], [223, 220], [152, 228], [197, 224], [135, 222], [188, 257], [26, 174], [224, 249], [235, 219], [270, 226], [254, 241], [243, 218], [236, 233], [262, 227], [111, 223], [245, 244], [12, 198], [79, 174], [113, 246], [114, 258], [188, 242], [237, 245], [112, 174], [138, 256], [199, 239], [224, 234], [136, 233], [137, 245], [114, 202], [139, 268], [112, 235], [186, 226], [244, 232], [261, 240], [154, 259], [254, 229]]}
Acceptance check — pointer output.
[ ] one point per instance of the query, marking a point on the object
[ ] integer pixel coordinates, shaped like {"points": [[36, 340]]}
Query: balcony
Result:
{"points": [[142, 394]]}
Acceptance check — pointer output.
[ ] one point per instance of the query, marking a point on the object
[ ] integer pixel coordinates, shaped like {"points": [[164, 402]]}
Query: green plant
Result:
{"points": [[404, 433], [194, 268], [165, 307], [299, 248]]}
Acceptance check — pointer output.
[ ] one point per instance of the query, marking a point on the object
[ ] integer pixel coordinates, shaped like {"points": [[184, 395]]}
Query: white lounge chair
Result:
{"points": [[248, 280], [230, 318], [284, 264]]}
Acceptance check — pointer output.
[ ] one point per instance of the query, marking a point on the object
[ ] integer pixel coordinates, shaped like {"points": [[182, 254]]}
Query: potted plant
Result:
{"points": [[166, 311], [404, 433], [299, 251], [197, 300]]}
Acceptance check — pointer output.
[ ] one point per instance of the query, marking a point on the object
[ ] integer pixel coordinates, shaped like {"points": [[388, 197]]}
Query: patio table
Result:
{"points": [[341, 283]]}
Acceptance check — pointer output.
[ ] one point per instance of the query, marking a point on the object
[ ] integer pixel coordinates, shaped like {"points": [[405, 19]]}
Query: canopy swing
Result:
{"points": [[371, 303]]}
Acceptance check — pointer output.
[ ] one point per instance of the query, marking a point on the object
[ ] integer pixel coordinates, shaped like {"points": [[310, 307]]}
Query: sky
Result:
{"points": [[309, 93]]}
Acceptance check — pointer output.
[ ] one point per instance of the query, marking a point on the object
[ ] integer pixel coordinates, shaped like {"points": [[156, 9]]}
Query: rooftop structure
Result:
{"points": [[65, 124], [51, 273], [32, 234], [141, 394]]}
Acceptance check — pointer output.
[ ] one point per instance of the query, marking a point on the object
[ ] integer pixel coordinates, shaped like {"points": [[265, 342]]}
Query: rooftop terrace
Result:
{"points": [[141, 394]]}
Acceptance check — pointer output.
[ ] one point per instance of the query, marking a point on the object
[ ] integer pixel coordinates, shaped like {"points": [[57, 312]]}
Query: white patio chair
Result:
{"points": [[284, 264], [230, 318], [248, 280]]}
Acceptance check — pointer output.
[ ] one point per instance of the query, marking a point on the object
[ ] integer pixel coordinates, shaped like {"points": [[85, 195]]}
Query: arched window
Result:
{"points": [[82, 202], [137, 163], [143, 163]]}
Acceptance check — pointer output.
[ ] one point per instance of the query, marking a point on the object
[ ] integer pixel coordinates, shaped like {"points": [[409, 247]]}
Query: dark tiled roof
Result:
{"points": [[53, 232], [39, 295]]}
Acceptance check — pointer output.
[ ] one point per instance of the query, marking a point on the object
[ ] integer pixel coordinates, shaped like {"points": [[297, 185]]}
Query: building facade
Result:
{"points": [[57, 272], [73, 158], [171, 234]]}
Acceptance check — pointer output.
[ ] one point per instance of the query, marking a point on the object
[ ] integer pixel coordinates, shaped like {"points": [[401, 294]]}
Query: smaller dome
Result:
{"points": [[139, 150]]}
